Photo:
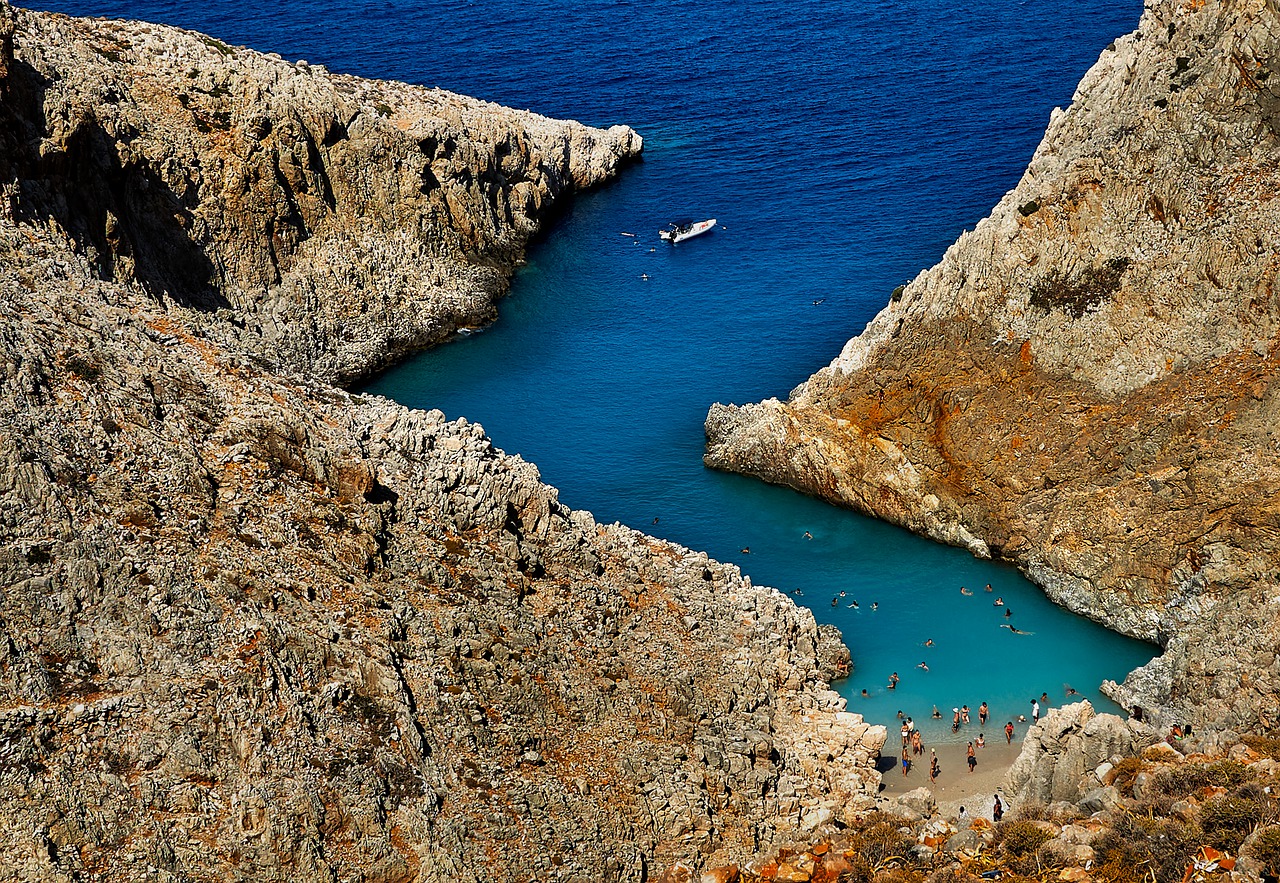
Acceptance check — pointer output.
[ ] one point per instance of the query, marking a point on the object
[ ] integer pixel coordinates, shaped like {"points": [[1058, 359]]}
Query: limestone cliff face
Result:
{"points": [[328, 222], [1086, 383], [255, 628]]}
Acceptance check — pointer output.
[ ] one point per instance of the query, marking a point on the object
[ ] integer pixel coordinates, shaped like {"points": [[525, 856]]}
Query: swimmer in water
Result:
{"points": [[835, 602], [988, 587], [964, 591], [922, 667], [842, 593], [851, 606], [1008, 612], [1015, 629], [999, 602], [929, 643], [854, 604], [1071, 691], [807, 535], [875, 605], [746, 550], [893, 681], [797, 591], [937, 714]]}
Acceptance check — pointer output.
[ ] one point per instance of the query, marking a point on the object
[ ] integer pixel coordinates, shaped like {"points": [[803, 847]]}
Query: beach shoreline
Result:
{"points": [[955, 785]]}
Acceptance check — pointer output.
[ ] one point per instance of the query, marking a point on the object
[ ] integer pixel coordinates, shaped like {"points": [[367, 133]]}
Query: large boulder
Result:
{"points": [[1062, 752]]}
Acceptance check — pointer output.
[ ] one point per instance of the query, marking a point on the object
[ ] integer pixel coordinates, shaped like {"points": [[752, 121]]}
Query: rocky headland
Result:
{"points": [[254, 627], [1086, 384]]}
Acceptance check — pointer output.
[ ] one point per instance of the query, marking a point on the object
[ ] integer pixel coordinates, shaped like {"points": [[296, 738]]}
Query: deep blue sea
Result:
{"points": [[842, 146]]}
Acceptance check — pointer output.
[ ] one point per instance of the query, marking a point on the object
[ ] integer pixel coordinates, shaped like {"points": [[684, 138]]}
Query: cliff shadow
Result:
{"points": [[120, 214]]}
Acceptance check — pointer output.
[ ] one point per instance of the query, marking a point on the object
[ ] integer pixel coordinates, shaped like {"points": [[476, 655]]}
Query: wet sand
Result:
{"points": [[956, 786]]}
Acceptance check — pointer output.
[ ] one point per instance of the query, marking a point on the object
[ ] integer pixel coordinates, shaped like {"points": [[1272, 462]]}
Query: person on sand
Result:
{"points": [[906, 735], [973, 758], [1008, 732], [906, 762], [997, 811], [917, 744], [982, 713], [933, 766], [982, 741]]}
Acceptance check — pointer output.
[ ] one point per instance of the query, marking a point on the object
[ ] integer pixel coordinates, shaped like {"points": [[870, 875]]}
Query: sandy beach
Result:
{"points": [[956, 786]]}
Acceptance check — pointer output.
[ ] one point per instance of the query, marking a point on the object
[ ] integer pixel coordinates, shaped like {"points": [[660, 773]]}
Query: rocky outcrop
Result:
{"points": [[1086, 384], [253, 627], [1062, 755], [326, 223]]}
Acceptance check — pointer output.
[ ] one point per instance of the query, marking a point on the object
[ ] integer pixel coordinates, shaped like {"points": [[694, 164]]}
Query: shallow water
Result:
{"points": [[842, 146]]}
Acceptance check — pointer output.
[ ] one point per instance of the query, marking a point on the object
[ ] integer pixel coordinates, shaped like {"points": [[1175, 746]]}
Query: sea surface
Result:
{"points": [[841, 146]]}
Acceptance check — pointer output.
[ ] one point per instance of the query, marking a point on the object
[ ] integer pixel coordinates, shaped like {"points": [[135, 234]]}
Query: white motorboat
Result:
{"points": [[678, 232]]}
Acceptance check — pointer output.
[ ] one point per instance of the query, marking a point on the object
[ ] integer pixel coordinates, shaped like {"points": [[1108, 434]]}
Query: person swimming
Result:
{"points": [[964, 591], [928, 642], [875, 605], [835, 602], [1008, 612], [923, 667], [937, 714], [999, 602]]}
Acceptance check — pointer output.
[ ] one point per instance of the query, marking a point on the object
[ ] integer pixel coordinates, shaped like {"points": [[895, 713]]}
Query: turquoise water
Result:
{"points": [[843, 146]]}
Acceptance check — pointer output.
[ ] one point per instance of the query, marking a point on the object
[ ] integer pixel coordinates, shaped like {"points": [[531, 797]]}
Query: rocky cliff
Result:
{"points": [[1086, 383], [328, 222], [253, 627]]}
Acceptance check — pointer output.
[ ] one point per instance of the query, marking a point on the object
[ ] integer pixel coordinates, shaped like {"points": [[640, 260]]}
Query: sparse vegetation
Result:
{"points": [[1077, 296], [217, 45]]}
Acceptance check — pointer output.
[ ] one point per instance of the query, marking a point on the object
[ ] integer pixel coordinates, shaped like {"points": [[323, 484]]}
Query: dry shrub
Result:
{"points": [[1021, 838], [1136, 847], [898, 875], [1182, 781], [1125, 773], [1268, 746], [1231, 818], [877, 838], [953, 874], [1265, 850]]}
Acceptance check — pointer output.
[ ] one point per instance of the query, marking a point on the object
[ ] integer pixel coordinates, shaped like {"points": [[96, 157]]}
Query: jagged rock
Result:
{"points": [[1061, 753], [253, 627], [1086, 384]]}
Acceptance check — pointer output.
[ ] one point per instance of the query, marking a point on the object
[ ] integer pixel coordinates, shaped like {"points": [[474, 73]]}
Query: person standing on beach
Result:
{"points": [[906, 735], [933, 766], [973, 758], [982, 713], [1008, 732], [906, 761], [997, 811], [917, 744]]}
